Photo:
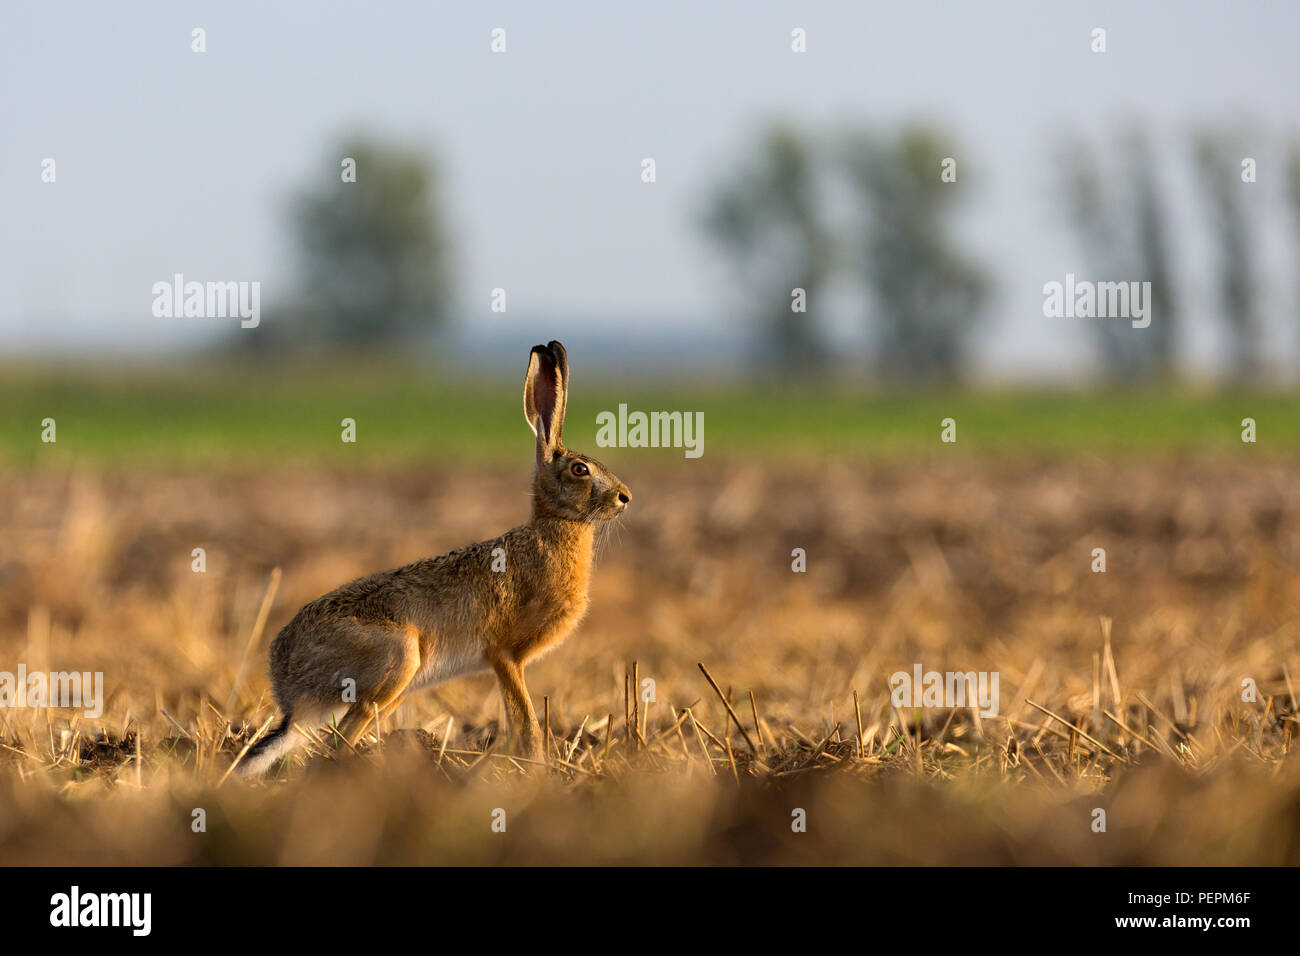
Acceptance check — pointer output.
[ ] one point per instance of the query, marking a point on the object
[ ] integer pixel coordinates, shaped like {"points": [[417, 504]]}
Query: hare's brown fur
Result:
{"points": [[443, 617]]}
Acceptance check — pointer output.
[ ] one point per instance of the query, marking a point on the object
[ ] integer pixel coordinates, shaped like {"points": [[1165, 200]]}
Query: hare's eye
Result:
{"points": [[580, 470]]}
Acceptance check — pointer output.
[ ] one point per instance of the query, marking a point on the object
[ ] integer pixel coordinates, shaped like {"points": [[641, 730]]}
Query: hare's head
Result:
{"points": [[567, 484]]}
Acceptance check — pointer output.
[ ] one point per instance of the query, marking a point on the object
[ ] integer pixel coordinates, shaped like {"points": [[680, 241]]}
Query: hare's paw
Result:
{"points": [[530, 742]]}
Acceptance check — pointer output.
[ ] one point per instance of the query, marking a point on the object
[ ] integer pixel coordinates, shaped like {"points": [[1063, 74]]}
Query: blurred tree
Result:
{"points": [[1125, 238], [1152, 252], [768, 220], [927, 297], [1293, 197], [1217, 159], [372, 254]]}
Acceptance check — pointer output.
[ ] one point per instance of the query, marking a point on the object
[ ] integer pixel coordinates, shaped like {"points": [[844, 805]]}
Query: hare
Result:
{"points": [[460, 613]]}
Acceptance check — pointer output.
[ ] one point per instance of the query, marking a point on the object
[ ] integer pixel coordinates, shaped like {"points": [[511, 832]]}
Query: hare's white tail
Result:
{"points": [[263, 754], [285, 739]]}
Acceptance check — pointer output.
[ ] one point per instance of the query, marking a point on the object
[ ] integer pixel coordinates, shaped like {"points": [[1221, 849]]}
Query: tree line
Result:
{"points": [[876, 212]]}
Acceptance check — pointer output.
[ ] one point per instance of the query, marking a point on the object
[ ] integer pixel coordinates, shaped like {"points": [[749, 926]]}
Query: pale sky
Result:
{"points": [[171, 161]]}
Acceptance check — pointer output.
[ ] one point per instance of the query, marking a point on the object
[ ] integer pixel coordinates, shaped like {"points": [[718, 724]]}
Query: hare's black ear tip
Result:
{"points": [[552, 350]]}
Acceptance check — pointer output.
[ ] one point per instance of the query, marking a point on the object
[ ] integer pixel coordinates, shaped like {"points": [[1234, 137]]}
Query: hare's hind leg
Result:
{"points": [[519, 706], [384, 687]]}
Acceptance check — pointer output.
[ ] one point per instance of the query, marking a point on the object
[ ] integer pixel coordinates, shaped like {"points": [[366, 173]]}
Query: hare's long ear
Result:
{"points": [[562, 367], [544, 392]]}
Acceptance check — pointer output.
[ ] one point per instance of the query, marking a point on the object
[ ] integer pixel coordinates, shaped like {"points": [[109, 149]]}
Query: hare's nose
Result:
{"points": [[624, 497]]}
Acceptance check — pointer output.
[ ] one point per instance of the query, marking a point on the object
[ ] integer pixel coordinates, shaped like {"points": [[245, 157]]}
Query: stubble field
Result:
{"points": [[1120, 691]]}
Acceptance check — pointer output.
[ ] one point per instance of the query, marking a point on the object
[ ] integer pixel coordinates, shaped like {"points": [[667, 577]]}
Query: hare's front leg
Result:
{"points": [[519, 706]]}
